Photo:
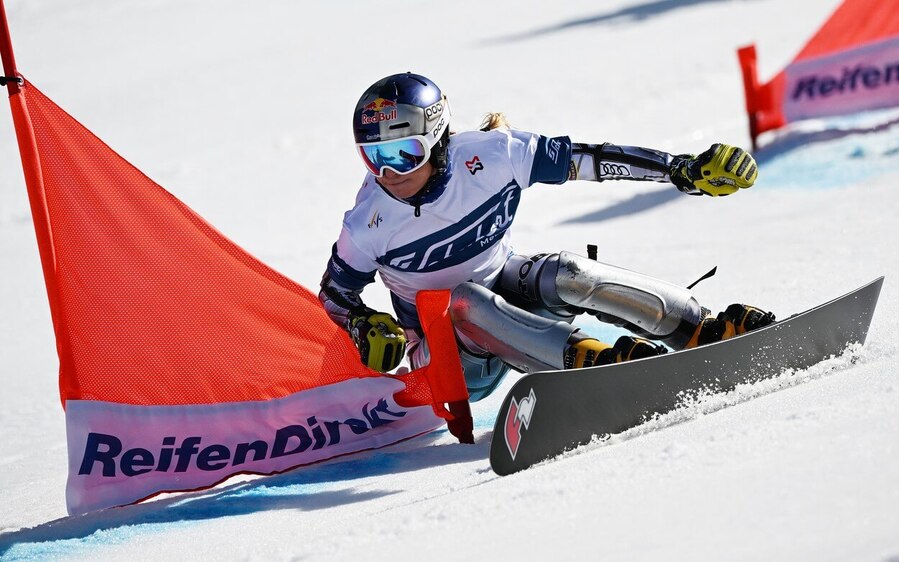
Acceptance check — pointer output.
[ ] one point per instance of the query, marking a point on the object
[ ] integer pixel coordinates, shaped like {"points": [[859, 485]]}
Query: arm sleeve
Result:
{"points": [[599, 162], [348, 271], [339, 301], [539, 159]]}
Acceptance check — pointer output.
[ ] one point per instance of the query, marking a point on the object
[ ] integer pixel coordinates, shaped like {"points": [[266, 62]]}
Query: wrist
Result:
{"points": [[356, 315], [680, 176]]}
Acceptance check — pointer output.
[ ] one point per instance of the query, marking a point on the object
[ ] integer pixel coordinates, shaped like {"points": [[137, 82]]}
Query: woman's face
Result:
{"points": [[407, 185]]}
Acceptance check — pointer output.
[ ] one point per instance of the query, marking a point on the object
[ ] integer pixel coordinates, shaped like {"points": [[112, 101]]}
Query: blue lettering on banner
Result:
{"points": [[859, 76], [473, 234], [105, 452]]}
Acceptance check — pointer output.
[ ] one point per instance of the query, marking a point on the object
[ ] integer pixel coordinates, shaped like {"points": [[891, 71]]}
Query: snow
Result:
{"points": [[242, 111]]}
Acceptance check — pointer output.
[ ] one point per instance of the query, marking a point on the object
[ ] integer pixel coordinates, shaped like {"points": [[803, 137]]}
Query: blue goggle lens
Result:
{"points": [[402, 156]]}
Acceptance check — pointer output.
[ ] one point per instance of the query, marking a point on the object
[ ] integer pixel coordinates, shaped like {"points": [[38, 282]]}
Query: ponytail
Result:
{"points": [[495, 120]]}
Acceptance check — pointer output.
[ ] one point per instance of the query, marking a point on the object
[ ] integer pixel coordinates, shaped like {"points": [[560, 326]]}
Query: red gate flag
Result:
{"points": [[850, 65], [183, 359]]}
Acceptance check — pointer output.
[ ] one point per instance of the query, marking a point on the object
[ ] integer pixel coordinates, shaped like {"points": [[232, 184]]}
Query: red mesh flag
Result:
{"points": [[153, 305], [183, 359], [851, 64]]}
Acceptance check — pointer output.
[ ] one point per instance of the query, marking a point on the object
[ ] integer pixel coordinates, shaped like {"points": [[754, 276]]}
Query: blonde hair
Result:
{"points": [[495, 120]]}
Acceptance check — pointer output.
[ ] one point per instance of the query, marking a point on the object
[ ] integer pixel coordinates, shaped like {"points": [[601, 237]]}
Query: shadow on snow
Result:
{"points": [[792, 140], [305, 489], [636, 204], [636, 13]]}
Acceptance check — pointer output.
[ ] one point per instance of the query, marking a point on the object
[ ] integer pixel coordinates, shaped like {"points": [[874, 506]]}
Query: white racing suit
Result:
{"points": [[454, 234]]}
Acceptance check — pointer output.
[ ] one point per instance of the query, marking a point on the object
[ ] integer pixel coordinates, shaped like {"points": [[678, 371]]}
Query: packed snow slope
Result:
{"points": [[242, 110]]}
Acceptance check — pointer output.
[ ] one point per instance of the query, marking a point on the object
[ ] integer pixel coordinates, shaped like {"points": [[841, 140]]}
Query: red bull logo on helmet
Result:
{"points": [[380, 108], [379, 104]]}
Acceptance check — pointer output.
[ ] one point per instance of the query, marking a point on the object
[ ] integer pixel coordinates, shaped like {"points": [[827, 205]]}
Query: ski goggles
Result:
{"points": [[403, 156]]}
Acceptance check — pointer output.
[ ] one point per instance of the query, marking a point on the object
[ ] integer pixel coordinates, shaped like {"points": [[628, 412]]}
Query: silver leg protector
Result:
{"points": [[486, 324], [530, 283], [653, 305]]}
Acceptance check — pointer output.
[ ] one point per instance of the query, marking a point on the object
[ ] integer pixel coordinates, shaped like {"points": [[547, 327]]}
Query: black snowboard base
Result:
{"points": [[550, 412]]}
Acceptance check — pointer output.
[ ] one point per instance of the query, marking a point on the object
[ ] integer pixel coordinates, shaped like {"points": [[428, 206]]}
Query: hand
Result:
{"points": [[720, 170], [380, 341]]}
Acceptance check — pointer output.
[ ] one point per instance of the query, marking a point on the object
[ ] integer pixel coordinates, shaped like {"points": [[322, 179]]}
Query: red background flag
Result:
{"points": [[851, 64]]}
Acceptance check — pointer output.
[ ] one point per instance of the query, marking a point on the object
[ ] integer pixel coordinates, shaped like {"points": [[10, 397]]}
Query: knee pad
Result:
{"points": [[530, 283]]}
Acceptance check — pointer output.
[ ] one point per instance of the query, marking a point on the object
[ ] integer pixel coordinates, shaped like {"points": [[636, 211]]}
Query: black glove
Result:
{"points": [[380, 341], [720, 170]]}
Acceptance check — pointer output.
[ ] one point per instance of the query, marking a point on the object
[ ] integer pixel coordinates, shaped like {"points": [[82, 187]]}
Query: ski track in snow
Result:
{"points": [[801, 466], [702, 402]]}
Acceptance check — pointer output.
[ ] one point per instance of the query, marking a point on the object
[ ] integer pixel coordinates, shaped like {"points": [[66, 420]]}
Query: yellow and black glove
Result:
{"points": [[380, 341], [720, 170]]}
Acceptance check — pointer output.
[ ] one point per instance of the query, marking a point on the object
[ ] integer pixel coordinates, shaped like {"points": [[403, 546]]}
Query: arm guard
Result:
{"points": [[599, 162], [380, 341], [340, 302]]}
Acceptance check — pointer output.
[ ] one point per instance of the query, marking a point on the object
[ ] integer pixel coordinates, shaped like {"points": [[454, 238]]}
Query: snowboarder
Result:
{"points": [[435, 209]]}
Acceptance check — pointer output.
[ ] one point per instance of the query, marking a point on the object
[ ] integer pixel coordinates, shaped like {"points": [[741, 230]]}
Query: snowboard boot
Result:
{"points": [[583, 351], [627, 348], [589, 352], [747, 318], [735, 320]]}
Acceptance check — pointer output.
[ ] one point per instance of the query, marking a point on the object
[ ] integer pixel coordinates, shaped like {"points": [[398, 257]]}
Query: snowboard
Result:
{"points": [[550, 412]]}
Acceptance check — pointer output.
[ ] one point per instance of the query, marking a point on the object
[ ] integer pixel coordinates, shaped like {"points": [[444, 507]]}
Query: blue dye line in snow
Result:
{"points": [[843, 162], [843, 151], [307, 489], [83, 546]]}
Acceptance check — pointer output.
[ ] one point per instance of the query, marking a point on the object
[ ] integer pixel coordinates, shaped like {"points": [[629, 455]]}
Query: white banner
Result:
{"points": [[845, 82], [120, 453]]}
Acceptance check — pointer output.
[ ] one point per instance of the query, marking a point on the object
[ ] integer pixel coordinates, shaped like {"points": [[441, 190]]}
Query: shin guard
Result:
{"points": [[656, 307], [486, 324]]}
